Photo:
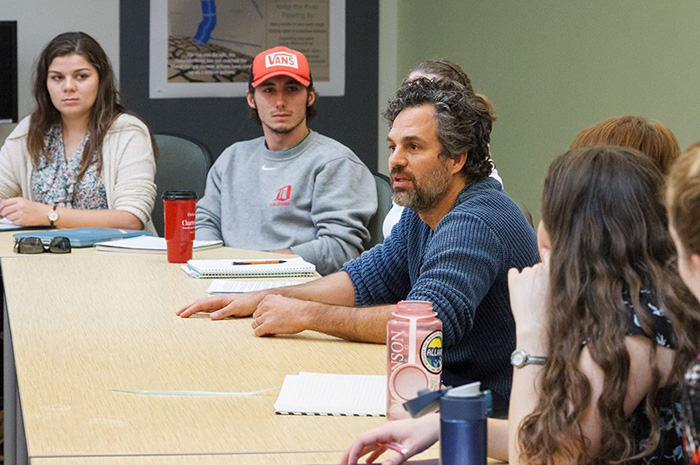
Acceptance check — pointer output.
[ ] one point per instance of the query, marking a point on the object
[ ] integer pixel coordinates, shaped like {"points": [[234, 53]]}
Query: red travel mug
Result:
{"points": [[178, 216]]}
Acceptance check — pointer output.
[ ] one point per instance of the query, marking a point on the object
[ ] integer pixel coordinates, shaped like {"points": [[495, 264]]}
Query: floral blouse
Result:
{"points": [[670, 450], [54, 181]]}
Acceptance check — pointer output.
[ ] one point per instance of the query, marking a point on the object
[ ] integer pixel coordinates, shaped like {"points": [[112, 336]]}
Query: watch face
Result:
{"points": [[53, 216], [518, 359]]}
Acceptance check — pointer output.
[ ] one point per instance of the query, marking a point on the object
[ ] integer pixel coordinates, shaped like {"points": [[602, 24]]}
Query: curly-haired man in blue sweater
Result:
{"points": [[453, 246]]}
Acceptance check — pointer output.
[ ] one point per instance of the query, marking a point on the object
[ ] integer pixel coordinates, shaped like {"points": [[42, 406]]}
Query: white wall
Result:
{"points": [[39, 21]]}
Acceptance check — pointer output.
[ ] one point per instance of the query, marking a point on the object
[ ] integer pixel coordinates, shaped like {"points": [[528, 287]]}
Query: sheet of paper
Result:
{"points": [[332, 394], [227, 286], [6, 225]]}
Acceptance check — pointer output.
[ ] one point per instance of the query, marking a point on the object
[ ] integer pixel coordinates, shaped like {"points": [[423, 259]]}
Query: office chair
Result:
{"points": [[183, 163], [383, 206]]}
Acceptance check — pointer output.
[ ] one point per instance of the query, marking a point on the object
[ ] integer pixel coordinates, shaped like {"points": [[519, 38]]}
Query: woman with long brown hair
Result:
{"points": [[79, 159], [607, 310]]}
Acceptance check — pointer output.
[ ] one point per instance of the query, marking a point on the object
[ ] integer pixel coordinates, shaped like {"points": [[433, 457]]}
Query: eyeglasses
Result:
{"points": [[32, 245]]}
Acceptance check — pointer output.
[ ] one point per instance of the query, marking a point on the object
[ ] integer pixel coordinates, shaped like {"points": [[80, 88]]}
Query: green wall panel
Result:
{"points": [[553, 67]]}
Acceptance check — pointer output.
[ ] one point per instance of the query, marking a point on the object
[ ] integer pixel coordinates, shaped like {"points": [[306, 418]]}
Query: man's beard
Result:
{"points": [[285, 130], [426, 195]]}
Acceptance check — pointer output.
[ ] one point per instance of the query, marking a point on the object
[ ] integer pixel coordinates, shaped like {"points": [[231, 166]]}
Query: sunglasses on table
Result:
{"points": [[33, 245]]}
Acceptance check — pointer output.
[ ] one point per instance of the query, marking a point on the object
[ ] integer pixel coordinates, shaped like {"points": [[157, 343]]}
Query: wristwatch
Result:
{"points": [[53, 215], [519, 358]]}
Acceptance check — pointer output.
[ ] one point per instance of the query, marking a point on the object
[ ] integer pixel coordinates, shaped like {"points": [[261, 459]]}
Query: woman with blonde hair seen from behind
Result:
{"points": [[610, 314], [80, 159], [648, 136], [683, 204]]}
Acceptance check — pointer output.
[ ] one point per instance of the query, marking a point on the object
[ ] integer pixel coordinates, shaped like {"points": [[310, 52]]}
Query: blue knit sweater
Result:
{"points": [[461, 268]]}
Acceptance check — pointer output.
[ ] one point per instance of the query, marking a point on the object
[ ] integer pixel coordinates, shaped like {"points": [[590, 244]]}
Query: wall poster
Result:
{"points": [[205, 48]]}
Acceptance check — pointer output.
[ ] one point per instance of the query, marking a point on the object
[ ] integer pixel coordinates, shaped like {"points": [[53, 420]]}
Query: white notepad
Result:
{"points": [[251, 268], [6, 225], [226, 286], [149, 244], [332, 394]]}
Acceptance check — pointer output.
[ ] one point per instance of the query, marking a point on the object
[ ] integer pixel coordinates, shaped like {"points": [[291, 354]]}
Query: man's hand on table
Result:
{"points": [[280, 315], [223, 306]]}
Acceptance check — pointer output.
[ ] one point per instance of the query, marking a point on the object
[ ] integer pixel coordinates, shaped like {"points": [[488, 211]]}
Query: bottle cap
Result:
{"points": [[467, 390], [426, 402], [414, 309], [476, 407], [460, 403]]}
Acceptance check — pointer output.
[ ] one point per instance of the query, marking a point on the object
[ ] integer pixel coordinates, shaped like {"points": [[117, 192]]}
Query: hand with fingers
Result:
{"points": [[281, 315], [405, 438], [529, 290], [223, 306], [24, 212]]}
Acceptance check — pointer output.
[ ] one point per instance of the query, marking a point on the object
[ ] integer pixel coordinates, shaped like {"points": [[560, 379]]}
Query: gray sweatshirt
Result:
{"points": [[316, 198]]}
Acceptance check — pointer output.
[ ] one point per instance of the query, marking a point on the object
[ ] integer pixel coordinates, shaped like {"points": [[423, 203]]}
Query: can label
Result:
{"points": [[431, 352]]}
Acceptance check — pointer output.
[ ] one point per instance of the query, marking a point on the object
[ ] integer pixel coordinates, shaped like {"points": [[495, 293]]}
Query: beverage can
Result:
{"points": [[414, 354]]}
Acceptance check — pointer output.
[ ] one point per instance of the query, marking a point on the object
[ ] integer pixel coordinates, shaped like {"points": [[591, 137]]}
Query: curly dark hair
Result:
{"points": [[463, 122], [446, 69]]}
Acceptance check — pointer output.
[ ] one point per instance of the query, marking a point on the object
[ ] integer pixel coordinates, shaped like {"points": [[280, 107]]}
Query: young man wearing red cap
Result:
{"points": [[292, 190]]}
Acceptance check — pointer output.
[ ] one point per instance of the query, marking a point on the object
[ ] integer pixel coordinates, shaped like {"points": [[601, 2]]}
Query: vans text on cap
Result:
{"points": [[281, 61]]}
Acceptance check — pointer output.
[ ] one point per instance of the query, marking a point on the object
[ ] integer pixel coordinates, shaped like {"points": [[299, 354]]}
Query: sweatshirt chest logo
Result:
{"points": [[282, 197]]}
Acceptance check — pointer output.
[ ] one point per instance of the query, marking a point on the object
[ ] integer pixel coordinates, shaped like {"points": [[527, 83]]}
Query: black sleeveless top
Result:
{"points": [[669, 416]]}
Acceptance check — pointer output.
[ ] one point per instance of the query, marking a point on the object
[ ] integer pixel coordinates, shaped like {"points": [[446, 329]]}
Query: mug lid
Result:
{"points": [[179, 195]]}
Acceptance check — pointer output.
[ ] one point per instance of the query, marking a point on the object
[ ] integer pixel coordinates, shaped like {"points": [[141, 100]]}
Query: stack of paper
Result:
{"points": [[149, 244], [331, 394], [226, 286]]}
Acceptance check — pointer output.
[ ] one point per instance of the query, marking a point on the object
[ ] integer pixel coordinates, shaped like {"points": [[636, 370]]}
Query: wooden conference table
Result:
{"points": [[80, 326]]}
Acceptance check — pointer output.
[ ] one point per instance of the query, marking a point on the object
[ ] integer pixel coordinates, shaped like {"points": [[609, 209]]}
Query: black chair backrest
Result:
{"points": [[183, 163], [383, 206]]}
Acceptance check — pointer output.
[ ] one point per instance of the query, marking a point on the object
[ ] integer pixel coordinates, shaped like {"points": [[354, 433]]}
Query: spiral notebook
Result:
{"points": [[251, 268], [332, 394]]}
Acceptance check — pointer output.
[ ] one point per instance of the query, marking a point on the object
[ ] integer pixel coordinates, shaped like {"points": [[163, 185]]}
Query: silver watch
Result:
{"points": [[519, 358], [53, 215]]}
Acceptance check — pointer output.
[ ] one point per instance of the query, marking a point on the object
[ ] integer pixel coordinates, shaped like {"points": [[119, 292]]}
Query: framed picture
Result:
{"points": [[205, 48]]}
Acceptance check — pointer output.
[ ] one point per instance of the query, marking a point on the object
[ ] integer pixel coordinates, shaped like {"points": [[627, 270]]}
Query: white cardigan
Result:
{"points": [[128, 167]]}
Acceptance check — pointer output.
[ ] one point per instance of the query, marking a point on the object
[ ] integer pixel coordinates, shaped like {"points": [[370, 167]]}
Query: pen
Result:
{"points": [[395, 447], [259, 262]]}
